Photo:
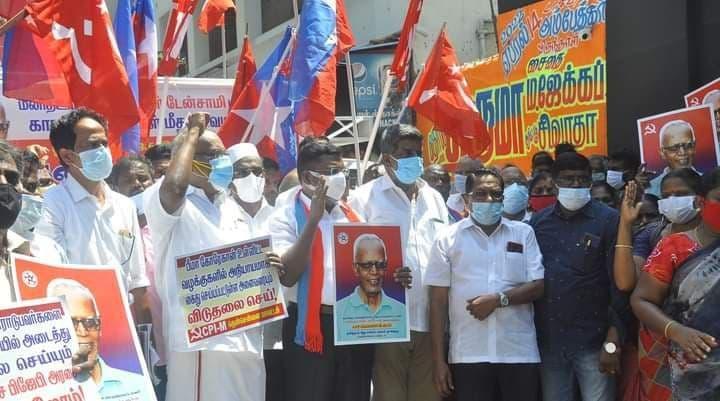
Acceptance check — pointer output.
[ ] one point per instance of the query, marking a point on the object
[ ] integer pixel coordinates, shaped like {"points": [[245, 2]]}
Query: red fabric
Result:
{"points": [[79, 34], [442, 96], [540, 202], [313, 329], [146, 47], [9, 8], [245, 70], [175, 35], [668, 255], [401, 61], [233, 129], [213, 14], [318, 112], [653, 348], [711, 214]]}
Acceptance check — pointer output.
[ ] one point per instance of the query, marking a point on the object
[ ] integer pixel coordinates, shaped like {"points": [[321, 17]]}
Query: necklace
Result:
{"points": [[697, 237]]}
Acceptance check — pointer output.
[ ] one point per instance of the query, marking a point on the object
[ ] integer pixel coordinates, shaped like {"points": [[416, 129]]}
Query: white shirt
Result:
{"points": [[95, 234], [198, 225], [381, 202], [259, 226], [471, 264], [284, 229], [287, 196]]}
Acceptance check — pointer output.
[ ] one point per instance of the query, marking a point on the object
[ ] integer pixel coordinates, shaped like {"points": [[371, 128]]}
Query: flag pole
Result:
{"points": [[494, 21], [353, 111], [378, 118], [265, 91], [8, 24], [163, 110], [224, 51]]}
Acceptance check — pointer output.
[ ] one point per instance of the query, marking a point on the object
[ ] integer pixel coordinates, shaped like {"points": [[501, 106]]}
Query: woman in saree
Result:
{"points": [[677, 301]]}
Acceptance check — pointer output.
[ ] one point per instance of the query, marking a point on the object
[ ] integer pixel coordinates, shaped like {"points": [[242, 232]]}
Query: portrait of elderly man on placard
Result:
{"points": [[368, 302], [91, 371], [677, 149]]}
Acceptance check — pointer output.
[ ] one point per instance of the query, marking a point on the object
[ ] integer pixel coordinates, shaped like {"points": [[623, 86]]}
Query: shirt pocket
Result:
{"points": [[587, 253], [515, 268]]}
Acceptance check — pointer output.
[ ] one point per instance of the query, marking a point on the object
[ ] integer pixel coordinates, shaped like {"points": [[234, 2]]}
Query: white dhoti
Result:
{"points": [[215, 376]]}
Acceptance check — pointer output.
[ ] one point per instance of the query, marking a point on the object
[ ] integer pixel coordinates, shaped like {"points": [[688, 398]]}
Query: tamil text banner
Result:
{"points": [[228, 289], [547, 85], [108, 361]]}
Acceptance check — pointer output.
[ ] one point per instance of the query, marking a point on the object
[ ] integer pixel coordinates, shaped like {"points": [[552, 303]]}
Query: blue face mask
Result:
{"points": [[574, 199], [96, 163], [409, 169], [29, 216], [222, 171], [515, 199], [460, 181], [487, 213]]}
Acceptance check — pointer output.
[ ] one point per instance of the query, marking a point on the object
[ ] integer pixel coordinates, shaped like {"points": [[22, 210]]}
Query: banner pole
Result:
{"points": [[353, 111], [224, 52], [378, 118], [163, 110], [8, 24]]}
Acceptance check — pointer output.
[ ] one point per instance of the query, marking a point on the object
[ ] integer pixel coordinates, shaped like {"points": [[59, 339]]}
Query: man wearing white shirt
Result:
{"points": [[94, 224], [247, 189], [188, 212], [302, 229], [403, 371], [492, 332]]}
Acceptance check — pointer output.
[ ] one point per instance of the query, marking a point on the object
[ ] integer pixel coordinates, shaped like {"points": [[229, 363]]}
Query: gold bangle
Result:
{"points": [[624, 246], [667, 326]]}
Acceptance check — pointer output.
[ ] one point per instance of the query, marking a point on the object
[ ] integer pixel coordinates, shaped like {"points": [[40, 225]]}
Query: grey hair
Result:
{"points": [[675, 123], [367, 237], [62, 286], [394, 133], [712, 97]]}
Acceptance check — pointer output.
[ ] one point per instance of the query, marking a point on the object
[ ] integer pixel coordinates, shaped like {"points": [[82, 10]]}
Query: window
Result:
{"points": [[276, 12], [215, 37]]}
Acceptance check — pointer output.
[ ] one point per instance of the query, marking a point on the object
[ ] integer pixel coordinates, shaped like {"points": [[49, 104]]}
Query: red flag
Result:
{"points": [[8, 8], [79, 34], [442, 96], [145, 31], [245, 70], [401, 61], [213, 14], [177, 27]]}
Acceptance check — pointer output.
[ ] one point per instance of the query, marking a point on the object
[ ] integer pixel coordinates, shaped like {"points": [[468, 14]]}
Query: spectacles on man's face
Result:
{"points": [[483, 195], [687, 146], [4, 126], [244, 172], [578, 181], [329, 172], [90, 323], [377, 264]]}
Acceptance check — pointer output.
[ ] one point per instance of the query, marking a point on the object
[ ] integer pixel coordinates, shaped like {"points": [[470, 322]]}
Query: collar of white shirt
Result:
{"points": [[78, 192], [469, 223], [387, 183]]}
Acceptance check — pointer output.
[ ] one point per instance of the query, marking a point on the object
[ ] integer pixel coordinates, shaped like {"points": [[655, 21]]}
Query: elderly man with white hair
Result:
{"points": [[677, 148], [189, 211], [93, 373]]}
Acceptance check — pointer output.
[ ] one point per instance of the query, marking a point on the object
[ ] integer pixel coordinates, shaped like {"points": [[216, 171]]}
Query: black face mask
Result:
{"points": [[10, 205]]}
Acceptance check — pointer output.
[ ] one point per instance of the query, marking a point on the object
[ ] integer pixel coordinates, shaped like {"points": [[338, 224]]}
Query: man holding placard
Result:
{"points": [[189, 212]]}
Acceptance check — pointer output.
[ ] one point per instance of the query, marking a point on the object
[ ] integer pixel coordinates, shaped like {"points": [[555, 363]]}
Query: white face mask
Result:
{"points": [[336, 186], [250, 189], [574, 199], [615, 179], [678, 209]]}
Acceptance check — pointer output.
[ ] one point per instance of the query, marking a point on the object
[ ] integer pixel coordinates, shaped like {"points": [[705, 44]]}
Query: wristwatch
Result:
{"points": [[504, 300], [610, 348]]}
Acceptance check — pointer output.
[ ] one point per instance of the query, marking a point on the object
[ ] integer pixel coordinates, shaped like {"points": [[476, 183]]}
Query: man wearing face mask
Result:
{"points": [[439, 179], [247, 189], [189, 211], [403, 371], [302, 228], [465, 165], [94, 224], [492, 333], [515, 194], [582, 317], [623, 166]]}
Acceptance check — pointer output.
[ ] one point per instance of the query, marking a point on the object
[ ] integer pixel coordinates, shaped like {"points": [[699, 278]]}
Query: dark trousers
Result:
{"points": [[274, 375], [496, 381], [161, 388], [338, 374]]}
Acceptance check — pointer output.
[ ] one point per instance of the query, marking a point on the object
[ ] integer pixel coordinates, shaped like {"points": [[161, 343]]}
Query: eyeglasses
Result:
{"points": [[90, 324], [244, 172], [481, 195], [4, 126], [330, 172], [687, 146], [378, 265], [566, 181]]}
